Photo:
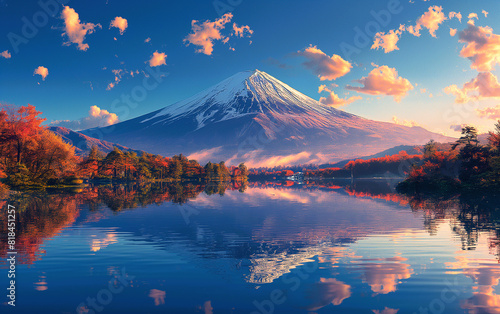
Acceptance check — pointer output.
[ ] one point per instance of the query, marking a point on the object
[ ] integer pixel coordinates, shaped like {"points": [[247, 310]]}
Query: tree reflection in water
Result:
{"points": [[42, 216]]}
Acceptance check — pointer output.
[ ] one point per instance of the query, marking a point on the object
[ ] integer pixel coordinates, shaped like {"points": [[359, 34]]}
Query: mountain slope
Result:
{"points": [[84, 143], [254, 117]]}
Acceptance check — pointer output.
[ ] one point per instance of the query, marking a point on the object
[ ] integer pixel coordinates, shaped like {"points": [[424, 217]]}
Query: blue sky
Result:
{"points": [[79, 78]]}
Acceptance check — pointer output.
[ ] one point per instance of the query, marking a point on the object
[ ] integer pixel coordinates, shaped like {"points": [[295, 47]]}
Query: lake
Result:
{"points": [[342, 247]]}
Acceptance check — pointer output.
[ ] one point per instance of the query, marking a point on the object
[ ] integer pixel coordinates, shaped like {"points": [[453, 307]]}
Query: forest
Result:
{"points": [[389, 166], [475, 168], [464, 166], [31, 156]]}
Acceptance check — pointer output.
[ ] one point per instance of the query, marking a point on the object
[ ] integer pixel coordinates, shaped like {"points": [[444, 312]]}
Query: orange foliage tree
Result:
{"points": [[29, 153]]}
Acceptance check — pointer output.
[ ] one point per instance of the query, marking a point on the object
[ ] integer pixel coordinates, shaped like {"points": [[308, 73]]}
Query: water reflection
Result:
{"points": [[383, 274], [158, 296], [369, 246], [328, 291]]}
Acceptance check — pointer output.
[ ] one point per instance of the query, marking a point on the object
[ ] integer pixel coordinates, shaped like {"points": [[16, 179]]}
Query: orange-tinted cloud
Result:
{"points": [[5, 54], [388, 41], [484, 85], [254, 160], [119, 73], [333, 100], [383, 80], [386, 310], [473, 16], [75, 30], [205, 34], [453, 31], [409, 123], [458, 15], [460, 96], [157, 59], [482, 47], [120, 23], [42, 71], [240, 31], [430, 20], [205, 154], [485, 13], [325, 67], [97, 118], [492, 113], [118, 76]]}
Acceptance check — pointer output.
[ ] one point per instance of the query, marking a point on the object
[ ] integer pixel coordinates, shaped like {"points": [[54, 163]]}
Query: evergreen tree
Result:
{"points": [[494, 139], [474, 158], [469, 137]]}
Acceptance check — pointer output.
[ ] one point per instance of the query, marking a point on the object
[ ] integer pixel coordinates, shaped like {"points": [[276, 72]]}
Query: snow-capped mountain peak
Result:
{"points": [[253, 117], [243, 93]]}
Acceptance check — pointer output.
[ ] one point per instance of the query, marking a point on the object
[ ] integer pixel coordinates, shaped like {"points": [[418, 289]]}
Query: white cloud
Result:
{"points": [[97, 118]]}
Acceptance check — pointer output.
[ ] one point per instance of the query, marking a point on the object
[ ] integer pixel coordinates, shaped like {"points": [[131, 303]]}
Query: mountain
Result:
{"points": [[409, 149], [254, 117], [84, 143]]}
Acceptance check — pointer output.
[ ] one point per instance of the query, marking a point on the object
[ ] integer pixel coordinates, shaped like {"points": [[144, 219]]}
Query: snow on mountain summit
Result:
{"points": [[243, 93], [253, 117]]}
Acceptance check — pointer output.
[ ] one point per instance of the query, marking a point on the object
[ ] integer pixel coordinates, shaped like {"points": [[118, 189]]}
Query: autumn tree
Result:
{"points": [[20, 128], [430, 149], [54, 158], [113, 164], [243, 170], [175, 168], [89, 166]]}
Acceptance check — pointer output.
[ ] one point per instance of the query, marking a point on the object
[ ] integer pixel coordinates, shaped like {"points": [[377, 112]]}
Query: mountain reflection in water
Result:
{"points": [[325, 245]]}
